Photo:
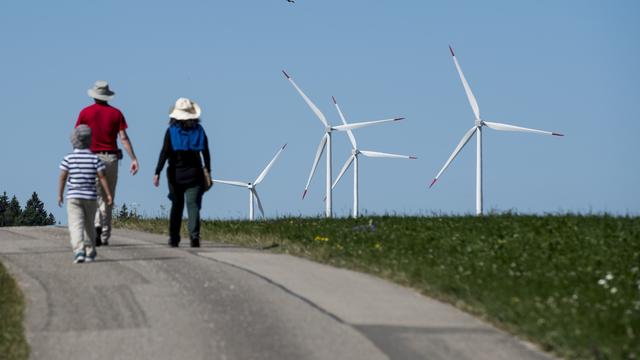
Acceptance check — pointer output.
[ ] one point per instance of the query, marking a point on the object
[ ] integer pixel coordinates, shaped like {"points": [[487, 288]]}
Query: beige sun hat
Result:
{"points": [[185, 109], [101, 91]]}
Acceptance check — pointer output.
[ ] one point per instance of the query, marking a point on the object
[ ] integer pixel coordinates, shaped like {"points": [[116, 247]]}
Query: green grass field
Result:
{"points": [[570, 283], [13, 344]]}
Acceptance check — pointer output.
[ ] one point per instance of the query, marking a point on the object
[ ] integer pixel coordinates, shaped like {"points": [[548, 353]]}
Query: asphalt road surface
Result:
{"points": [[143, 300]]}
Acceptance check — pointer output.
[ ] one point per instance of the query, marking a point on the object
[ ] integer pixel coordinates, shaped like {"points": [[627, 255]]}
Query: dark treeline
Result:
{"points": [[126, 213], [33, 214]]}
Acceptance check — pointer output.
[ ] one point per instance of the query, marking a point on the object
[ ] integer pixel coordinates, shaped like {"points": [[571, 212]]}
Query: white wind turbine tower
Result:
{"points": [[326, 142], [253, 194], [355, 153], [477, 129]]}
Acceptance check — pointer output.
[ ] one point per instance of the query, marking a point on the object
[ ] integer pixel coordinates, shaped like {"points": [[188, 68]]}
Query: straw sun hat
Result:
{"points": [[185, 109], [101, 91]]}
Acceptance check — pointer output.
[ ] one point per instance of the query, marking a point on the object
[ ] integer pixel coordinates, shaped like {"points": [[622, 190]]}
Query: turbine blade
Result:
{"points": [[255, 196], [507, 127], [321, 146], [363, 124], [266, 169], [313, 107], [343, 170], [234, 183], [376, 154], [467, 88], [461, 144], [344, 121]]}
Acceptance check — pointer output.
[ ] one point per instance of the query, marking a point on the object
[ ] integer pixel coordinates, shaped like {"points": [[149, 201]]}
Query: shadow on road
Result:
{"points": [[158, 258]]}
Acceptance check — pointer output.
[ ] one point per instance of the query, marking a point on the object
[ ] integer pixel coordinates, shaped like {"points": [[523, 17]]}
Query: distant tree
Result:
{"points": [[124, 213], [4, 206], [13, 212], [34, 213], [51, 220]]}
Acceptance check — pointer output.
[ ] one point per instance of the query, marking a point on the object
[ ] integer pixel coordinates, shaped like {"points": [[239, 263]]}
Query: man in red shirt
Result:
{"points": [[107, 124]]}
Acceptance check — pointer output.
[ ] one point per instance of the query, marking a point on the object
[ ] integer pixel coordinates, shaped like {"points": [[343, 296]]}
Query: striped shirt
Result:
{"points": [[82, 166]]}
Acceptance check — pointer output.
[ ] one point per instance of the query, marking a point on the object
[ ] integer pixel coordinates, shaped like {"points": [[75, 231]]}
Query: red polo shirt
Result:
{"points": [[105, 122]]}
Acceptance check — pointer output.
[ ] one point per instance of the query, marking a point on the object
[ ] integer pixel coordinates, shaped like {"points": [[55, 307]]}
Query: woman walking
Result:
{"points": [[184, 141]]}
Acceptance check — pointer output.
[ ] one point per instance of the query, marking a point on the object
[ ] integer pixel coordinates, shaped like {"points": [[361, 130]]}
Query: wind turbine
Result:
{"points": [[253, 193], [326, 142], [477, 129], [355, 153]]}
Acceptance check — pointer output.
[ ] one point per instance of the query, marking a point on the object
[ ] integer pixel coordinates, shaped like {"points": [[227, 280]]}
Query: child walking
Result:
{"points": [[79, 170]]}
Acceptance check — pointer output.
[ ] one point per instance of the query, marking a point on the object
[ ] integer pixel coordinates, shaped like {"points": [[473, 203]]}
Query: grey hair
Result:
{"points": [[81, 137]]}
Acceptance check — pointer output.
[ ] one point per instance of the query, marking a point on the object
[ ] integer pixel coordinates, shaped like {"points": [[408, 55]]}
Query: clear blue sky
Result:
{"points": [[568, 66]]}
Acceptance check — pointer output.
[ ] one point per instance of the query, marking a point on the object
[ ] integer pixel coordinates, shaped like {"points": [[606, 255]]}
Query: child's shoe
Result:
{"points": [[79, 257]]}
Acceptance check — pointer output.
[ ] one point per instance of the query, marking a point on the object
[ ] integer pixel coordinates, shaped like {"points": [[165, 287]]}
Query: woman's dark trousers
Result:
{"points": [[193, 196]]}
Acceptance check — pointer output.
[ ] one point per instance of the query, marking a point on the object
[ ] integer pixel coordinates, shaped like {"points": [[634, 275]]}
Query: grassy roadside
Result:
{"points": [[13, 344], [570, 283]]}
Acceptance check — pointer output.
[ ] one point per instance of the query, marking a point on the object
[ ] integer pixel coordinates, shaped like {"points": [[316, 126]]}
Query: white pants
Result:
{"points": [[103, 215], [80, 214]]}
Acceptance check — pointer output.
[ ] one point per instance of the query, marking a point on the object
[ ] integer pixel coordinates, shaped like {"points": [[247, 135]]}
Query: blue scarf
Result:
{"points": [[191, 139]]}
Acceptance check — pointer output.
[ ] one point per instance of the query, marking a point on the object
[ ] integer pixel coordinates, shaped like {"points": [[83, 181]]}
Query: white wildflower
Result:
{"points": [[614, 290], [609, 276], [602, 282]]}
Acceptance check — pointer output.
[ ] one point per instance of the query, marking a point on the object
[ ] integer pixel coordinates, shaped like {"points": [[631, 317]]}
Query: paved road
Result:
{"points": [[143, 300]]}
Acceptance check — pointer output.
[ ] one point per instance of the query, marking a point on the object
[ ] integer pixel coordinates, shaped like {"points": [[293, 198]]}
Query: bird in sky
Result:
{"points": [[291, 1]]}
